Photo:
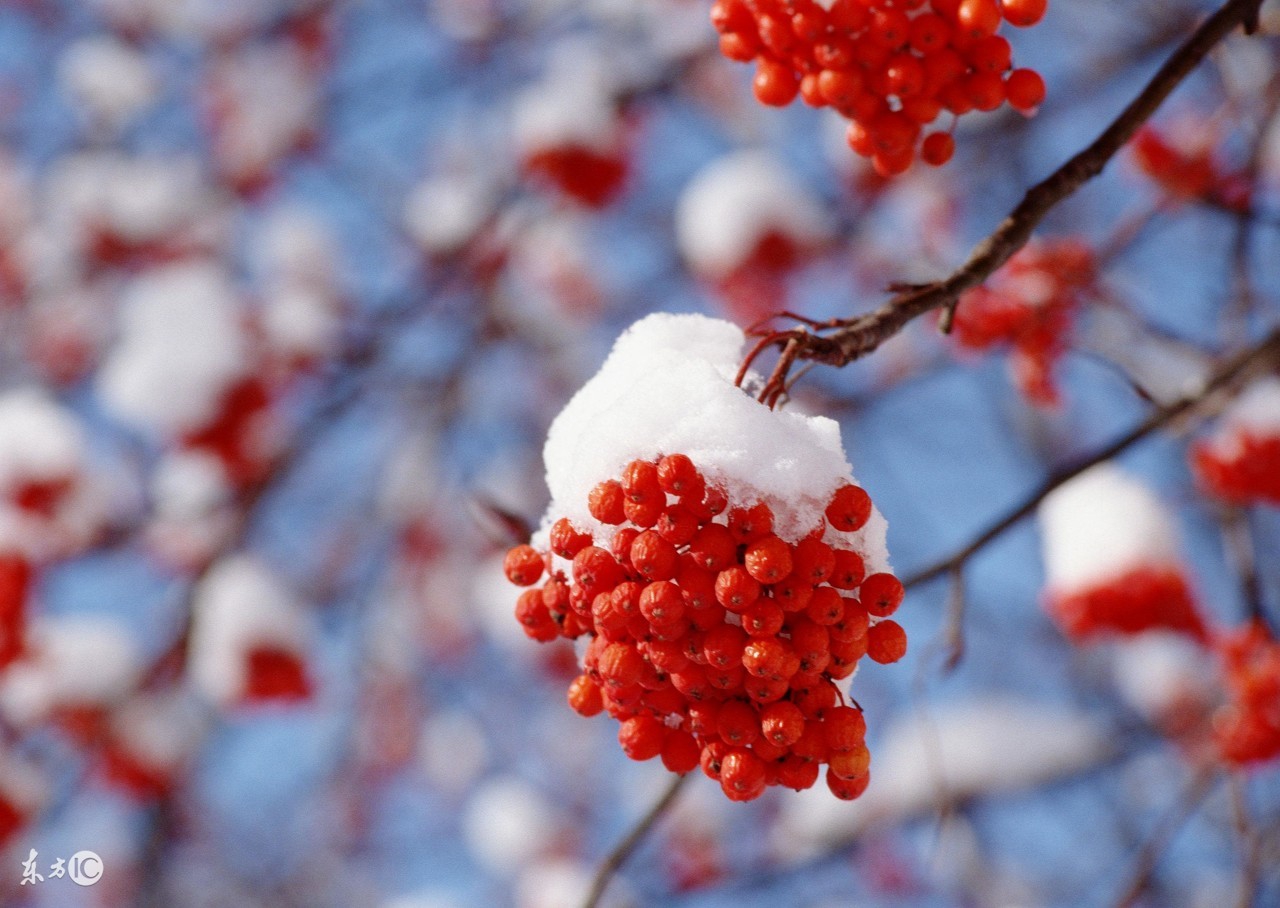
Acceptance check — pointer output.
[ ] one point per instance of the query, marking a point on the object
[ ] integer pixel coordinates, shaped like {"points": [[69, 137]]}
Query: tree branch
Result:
{"points": [[1265, 353], [618, 856], [851, 339]]}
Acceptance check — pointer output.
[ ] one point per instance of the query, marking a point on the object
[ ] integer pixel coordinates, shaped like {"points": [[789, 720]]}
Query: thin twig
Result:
{"points": [[856, 337], [1265, 353], [1148, 856], [622, 851], [1250, 850]]}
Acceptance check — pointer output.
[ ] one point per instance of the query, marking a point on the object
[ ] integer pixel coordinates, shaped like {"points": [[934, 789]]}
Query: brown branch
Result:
{"points": [[618, 856], [854, 338], [1265, 353]]}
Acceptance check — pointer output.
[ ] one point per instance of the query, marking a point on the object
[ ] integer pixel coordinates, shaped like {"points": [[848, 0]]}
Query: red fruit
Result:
{"points": [[620, 665], [782, 723], [1025, 90], [742, 775], [768, 559], [797, 773], [653, 557], [937, 148], [566, 541], [678, 475], [737, 723], [661, 603], [881, 594], [584, 696], [605, 502], [886, 642], [848, 570], [775, 84], [680, 752], [642, 737], [765, 658], [978, 18], [713, 548], [523, 565], [1023, 13], [748, 524], [844, 727], [736, 590], [847, 789], [849, 509], [850, 764]]}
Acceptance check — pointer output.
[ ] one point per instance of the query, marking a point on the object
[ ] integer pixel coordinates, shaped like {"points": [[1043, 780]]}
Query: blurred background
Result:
{"points": [[290, 291]]}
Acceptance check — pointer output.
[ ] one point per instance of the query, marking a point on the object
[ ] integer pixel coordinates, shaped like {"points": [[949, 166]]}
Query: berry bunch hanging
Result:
{"points": [[720, 569], [1240, 461], [1247, 727], [892, 67], [711, 639], [1029, 305]]}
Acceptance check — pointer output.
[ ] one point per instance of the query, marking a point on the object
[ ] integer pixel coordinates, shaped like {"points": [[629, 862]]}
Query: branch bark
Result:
{"points": [[851, 339], [618, 856]]}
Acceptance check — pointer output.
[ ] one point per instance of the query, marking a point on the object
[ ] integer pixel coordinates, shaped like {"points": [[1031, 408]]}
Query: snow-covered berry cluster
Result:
{"points": [[1113, 561], [1240, 461], [1029, 305], [892, 67], [1247, 726], [712, 640], [721, 591]]}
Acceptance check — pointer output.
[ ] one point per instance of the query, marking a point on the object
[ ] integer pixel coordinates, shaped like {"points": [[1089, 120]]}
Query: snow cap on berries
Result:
{"points": [[1101, 525], [668, 387], [737, 201]]}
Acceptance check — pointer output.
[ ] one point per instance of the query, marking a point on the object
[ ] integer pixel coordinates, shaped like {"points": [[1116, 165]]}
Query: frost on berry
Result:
{"points": [[1239, 461], [1112, 559], [890, 68], [720, 616], [1029, 306]]}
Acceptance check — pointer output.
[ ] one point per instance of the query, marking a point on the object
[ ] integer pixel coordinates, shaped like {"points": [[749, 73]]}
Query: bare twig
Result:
{"points": [[854, 338], [1250, 845], [618, 856], [1148, 856], [1265, 353]]}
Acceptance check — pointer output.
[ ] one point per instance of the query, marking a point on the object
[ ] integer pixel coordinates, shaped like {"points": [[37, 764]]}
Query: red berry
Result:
{"points": [[742, 775], [523, 565], [881, 594], [886, 642], [849, 509], [680, 752], [584, 696], [768, 559], [1023, 13], [641, 737], [937, 148], [782, 723], [1025, 90]]}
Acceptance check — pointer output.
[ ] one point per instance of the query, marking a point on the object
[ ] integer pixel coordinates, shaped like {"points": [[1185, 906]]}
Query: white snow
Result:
{"points": [[300, 320], [182, 344], [573, 104], [39, 438], [1157, 672], [442, 213], [268, 100], [953, 752], [1257, 410], [735, 202], [1101, 525], [108, 77], [73, 660], [240, 604], [141, 199], [507, 823], [452, 750], [158, 729], [666, 388]]}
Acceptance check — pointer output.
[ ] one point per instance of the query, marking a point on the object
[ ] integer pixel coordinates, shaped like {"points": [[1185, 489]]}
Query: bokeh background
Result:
{"points": [[289, 294]]}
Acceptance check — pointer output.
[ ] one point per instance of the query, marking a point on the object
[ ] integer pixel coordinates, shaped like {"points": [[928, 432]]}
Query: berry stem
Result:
{"points": [[856, 337], [614, 860]]}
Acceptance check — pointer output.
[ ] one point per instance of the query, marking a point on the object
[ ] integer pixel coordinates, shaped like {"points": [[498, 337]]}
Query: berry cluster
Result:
{"points": [[1247, 727], [891, 66], [712, 640], [1029, 304], [1186, 165], [1144, 598], [1240, 461]]}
